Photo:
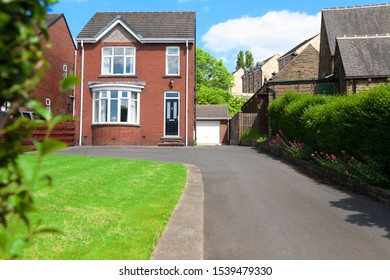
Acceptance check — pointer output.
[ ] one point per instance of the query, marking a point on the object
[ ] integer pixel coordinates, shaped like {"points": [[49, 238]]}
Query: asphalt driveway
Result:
{"points": [[258, 207]]}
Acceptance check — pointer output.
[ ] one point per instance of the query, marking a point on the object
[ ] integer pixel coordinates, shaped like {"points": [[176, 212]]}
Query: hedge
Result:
{"points": [[352, 123]]}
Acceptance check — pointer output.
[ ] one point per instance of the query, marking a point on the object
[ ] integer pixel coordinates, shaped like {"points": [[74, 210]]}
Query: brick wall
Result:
{"points": [[61, 53], [223, 132], [150, 69]]}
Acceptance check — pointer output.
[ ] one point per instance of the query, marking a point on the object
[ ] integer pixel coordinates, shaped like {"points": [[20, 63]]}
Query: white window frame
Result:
{"points": [[106, 94], [168, 56], [125, 56]]}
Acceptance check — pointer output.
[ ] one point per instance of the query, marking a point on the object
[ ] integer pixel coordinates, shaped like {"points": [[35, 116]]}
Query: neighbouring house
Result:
{"points": [[237, 89], [138, 79], [293, 53], [354, 46], [212, 124], [61, 58], [361, 62], [299, 75], [254, 76]]}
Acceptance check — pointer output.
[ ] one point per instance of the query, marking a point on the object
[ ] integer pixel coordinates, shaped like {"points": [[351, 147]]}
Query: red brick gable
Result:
{"points": [[61, 55]]}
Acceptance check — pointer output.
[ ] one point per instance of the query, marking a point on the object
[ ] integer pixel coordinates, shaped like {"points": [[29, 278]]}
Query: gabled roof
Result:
{"points": [[144, 26], [365, 57], [351, 21], [52, 18], [306, 42], [212, 112]]}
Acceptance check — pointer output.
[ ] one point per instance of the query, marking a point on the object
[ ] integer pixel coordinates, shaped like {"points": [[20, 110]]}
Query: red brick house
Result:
{"points": [[61, 57], [138, 79]]}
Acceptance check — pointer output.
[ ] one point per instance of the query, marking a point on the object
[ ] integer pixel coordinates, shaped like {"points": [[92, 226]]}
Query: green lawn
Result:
{"points": [[106, 209]]}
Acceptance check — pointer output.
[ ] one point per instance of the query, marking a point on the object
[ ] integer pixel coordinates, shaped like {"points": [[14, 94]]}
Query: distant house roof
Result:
{"points": [[147, 26], [212, 112], [351, 21], [298, 46], [364, 57]]}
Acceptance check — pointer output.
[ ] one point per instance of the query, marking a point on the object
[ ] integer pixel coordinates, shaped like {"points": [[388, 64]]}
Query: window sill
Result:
{"points": [[117, 76], [115, 124], [171, 76]]}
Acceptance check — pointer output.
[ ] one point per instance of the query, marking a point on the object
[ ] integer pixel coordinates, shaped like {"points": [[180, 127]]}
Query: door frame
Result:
{"points": [[173, 95]]}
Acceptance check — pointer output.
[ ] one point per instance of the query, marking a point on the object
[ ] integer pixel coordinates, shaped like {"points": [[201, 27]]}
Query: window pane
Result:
{"points": [[129, 65], [134, 95], [173, 51], [96, 113], [107, 51], [124, 94], [107, 65], [173, 65], [114, 111], [118, 65], [103, 110], [172, 94], [124, 110], [95, 95], [114, 94], [104, 94], [118, 51], [133, 111], [130, 51]]}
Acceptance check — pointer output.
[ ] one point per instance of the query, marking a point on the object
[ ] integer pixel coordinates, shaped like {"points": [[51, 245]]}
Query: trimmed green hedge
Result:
{"points": [[355, 123]]}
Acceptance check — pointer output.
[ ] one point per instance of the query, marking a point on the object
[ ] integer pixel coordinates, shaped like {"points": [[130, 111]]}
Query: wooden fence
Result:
{"points": [[241, 122], [64, 132]]}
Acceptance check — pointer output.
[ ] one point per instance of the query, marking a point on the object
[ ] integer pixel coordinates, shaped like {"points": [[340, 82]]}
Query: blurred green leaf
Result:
{"points": [[69, 82]]}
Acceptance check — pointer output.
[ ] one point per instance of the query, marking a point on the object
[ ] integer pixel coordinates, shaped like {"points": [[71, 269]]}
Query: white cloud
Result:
{"points": [[274, 32]]}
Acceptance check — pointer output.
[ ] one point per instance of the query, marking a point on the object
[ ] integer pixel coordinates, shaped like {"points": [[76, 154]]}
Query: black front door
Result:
{"points": [[172, 117]]}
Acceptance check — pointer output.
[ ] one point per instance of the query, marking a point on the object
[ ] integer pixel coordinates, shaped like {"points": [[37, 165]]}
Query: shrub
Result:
{"points": [[352, 123]]}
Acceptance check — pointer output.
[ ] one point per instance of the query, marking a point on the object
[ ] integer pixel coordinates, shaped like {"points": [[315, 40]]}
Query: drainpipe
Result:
{"points": [[81, 93], [74, 88], [186, 93]]}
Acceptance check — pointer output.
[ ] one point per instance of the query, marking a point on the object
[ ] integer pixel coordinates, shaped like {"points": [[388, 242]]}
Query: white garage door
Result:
{"points": [[208, 132]]}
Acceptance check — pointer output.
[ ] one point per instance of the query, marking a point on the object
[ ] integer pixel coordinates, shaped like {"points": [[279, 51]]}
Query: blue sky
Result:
{"points": [[225, 27]]}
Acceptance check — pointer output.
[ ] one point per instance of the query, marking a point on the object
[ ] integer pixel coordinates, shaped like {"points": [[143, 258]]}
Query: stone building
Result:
{"points": [[355, 46], [253, 78]]}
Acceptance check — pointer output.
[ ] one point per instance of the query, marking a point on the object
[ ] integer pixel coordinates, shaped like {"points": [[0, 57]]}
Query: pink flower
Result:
{"points": [[333, 157]]}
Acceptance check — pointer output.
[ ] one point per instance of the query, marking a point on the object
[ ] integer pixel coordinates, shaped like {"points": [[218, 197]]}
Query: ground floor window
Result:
{"points": [[116, 106]]}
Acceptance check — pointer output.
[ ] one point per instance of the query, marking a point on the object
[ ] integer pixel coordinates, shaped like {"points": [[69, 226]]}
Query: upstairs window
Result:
{"points": [[173, 61], [118, 61]]}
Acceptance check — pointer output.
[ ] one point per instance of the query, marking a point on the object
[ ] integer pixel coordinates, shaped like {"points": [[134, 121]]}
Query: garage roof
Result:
{"points": [[212, 112]]}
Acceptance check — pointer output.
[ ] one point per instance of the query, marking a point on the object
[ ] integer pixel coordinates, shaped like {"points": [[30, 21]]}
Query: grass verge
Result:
{"points": [[106, 209]]}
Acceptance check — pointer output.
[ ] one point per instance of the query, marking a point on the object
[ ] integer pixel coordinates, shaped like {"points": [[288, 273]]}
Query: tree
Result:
{"points": [[214, 82], [249, 60], [22, 61], [211, 72], [240, 63]]}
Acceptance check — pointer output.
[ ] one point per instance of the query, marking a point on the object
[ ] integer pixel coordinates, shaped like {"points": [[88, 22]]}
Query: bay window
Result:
{"points": [[118, 61], [115, 107]]}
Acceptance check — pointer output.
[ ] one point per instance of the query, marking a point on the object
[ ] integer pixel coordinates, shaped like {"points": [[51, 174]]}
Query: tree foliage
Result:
{"points": [[249, 59], [240, 63], [22, 61], [212, 72]]}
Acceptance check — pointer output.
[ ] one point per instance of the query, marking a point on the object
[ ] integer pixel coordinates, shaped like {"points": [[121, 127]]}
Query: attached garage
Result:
{"points": [[212, 123]]}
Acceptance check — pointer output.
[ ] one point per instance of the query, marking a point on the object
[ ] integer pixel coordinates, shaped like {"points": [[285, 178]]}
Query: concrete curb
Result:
{"points": [[183, 236]]}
